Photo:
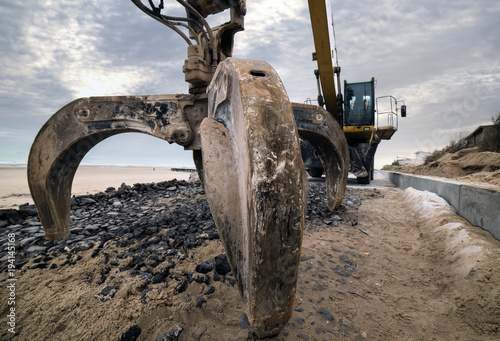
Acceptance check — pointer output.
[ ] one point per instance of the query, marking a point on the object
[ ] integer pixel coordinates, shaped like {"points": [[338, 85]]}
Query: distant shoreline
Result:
{"points": [[21, 165], [89, 179]]}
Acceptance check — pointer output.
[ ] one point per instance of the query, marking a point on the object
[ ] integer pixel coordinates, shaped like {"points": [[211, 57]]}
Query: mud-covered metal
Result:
{"points": [[256, 186], [75, 129], [319, 128]]}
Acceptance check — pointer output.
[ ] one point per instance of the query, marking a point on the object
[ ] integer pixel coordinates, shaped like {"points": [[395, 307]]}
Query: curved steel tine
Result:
{"points": [[76, 128], [256, 186], [317, 126]]}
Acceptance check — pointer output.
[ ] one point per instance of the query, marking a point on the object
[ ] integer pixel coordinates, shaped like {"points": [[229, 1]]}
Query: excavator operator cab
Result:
{"points": [[359, 107], [359, 110]]}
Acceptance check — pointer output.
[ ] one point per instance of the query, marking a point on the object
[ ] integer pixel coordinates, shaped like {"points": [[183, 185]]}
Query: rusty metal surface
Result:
{"points": [[317, 126], [256, 186], [75, 129]]}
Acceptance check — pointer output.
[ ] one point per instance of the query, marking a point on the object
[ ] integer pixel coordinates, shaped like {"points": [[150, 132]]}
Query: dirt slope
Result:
{"points": [[467, 165]]}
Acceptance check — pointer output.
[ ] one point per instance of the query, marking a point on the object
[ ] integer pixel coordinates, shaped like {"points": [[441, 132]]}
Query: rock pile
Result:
{"points": [[137, 214], [143, 232]]}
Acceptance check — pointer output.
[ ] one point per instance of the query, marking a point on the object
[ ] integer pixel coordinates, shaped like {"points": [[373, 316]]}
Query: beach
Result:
{"points": [[147, 263], [14, 190]]}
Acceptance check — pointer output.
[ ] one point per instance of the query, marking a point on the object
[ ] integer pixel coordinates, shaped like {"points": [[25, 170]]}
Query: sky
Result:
{"points": [[441, 57]]}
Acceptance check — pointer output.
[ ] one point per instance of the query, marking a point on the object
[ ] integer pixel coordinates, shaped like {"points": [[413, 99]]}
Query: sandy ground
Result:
{"points": [[14, 190], [417, 272]]}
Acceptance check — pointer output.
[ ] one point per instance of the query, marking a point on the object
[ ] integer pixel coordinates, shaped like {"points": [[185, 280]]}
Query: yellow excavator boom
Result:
{"points": [[326, 54]]}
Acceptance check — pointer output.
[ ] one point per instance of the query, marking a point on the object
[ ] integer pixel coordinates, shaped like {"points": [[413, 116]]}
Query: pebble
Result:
{"points": [[222, 265], [86, 201], [26, 241], [172, 335], [131, 334], [35, 249], [182, 286], [31, 229], [244, 322], [326, 314], [206, 266], [199, 301], [210, 291]]}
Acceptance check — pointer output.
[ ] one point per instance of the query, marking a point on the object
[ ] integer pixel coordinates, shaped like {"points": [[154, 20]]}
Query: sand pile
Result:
{"points": [[468, 165]]}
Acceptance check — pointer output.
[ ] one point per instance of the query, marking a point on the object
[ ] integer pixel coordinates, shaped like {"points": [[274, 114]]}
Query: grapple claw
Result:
{"points": [[317, 126], [72, 131], [256, 187]]}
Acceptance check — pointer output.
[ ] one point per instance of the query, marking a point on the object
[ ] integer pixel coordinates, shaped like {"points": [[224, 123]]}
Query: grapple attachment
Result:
{"points": [[255, 186], [72, 131], [317, 126], [246, 150]]}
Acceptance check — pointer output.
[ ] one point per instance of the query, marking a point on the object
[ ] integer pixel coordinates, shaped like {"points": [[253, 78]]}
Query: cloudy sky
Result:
{"points": [[441, 57]]}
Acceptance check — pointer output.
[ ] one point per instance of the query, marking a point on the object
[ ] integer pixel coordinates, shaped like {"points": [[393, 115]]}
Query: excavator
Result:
{"points": [[364, 126], [244, 135], [365, 119]]}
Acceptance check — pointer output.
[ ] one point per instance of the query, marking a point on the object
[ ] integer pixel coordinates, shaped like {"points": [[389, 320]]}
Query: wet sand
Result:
{"points": [[14, 190]]}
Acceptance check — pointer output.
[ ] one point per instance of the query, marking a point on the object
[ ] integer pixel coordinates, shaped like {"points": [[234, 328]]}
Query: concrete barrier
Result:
{"points": [[479, 204]]}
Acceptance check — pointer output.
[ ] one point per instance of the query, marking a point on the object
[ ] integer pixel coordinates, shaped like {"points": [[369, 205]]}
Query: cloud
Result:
{"points": [[440, 57]]}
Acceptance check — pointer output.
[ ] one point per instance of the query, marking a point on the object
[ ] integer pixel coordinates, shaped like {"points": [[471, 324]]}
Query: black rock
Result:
{"points": [[182, 286], [199, 301], [210, 291], [318, 287], [344, 258], [340, 272], [206, 266], [82, 247], [201, 279], [28, 210], [244, 323], [107, 293], [213, 235], [222, 265], [9, 214], [144, 296], [108, 289], [172, 335], [39, 266], [131, 334], [349, 268], [326, 314], [159, 277], [319, 331], [300, 321], [144, 279], [216, 276], [137, 261], [86, 201]]}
